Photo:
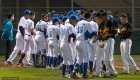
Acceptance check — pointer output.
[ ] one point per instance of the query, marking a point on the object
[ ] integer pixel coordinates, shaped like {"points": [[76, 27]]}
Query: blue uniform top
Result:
{"points": [[8, 30]]}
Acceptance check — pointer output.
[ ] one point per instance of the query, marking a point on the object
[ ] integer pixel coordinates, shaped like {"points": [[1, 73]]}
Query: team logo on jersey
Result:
{"points": [[100, 31], [106, 30], [129, 30], [124, 29]]}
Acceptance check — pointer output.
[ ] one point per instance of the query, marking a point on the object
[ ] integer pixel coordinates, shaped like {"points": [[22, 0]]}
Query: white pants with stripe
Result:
{"points": [[66, 53], [109, 59], [18, 47], [125, 48]]}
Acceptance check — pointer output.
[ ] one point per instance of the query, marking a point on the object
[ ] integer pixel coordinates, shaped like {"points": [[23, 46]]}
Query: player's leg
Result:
{"points": [[43, 50], [99, 59], [55, 53], [84, 52], [109, 60], [26, 47], [128, 44], [126, 65], [78, 61]]}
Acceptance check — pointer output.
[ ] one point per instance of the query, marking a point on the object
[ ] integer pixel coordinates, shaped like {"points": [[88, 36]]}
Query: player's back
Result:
{"points": [[40, 27], [81, 27], [52, 32], [94, 25], [29, 27], [65, 31], [22, 22]]}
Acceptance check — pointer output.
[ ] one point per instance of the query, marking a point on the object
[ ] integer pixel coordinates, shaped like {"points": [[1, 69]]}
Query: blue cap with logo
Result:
{"points": [[77, 12], [27, 12], [74, 17], [55, 19], [64, 18]]}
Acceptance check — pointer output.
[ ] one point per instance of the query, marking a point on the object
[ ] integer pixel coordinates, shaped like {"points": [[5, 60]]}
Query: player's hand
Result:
{"points": [[102, 46], [95, 39], [23, 37], [1, 38]]}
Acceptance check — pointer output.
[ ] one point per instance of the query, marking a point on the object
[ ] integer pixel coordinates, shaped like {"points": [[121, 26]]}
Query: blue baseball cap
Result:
{"points": [[110, 17], [77, 12], [56, 15], [94, 14], [60, 17], [74, 17], [55, 19], [27, 12], [70, 12], [81, 18], [64, 18]]}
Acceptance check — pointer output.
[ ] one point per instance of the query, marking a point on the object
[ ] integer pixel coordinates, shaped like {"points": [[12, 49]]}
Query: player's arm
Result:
{"points": [[90, 32], [58, 32], [72, 33], [32, 29], [21, 29]]}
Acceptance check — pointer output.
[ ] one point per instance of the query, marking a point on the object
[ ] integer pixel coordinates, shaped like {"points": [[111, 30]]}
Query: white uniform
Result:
{"points": [[53, 31], [39, 38], [81, 43], [19, 40], [65, 31], [29, 44], [49, 52], [125, 48]]}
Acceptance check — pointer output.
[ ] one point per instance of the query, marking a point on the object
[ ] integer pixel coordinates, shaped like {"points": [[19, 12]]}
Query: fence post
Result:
{"points": [[47, 5], [133, 15], [17, 12], [0, 15], [71, 4]]}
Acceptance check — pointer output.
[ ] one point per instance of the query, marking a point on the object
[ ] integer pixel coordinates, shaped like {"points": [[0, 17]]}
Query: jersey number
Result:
{"points": [[51, 33], [63, 31], [80, 29], [38, 28]]}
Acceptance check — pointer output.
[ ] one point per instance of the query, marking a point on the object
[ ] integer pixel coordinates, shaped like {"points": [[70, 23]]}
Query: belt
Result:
{"points": [[28, 34]]}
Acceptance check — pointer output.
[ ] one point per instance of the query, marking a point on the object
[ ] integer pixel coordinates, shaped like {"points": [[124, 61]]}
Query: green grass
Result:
{"points": [[116, 57], [48, 74]]}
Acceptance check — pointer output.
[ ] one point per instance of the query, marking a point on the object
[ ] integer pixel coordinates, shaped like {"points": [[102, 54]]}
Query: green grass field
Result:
{"points": [[48, 74]]}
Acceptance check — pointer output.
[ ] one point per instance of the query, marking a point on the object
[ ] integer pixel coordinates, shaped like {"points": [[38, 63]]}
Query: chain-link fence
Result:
{"points": [[131, 7]]}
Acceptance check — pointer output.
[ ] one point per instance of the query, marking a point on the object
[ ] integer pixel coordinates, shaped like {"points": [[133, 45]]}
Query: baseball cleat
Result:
{"points": [[29, 64], [94, 76], [136, 71], [113, 75], [64, 76], [10, 63], [125, 72], [90, 72], [85, 77]]}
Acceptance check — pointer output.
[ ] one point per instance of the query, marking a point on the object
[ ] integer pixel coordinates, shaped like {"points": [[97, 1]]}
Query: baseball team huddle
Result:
{"points": [[75, 41]]}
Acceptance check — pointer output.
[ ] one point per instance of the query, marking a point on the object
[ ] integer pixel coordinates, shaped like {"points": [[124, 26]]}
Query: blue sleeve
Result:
{"points": [[88, 35], [21, 30], [73, 35], [94, 33]]}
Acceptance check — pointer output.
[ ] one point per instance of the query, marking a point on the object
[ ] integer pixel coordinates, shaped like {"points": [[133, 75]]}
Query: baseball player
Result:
{"points": [[53, 32], [29, 30], [41, 28], [81, 28], [92, 47], [19, 37], [65, 33], [126, 44], [109, 33], [100, 51]]}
